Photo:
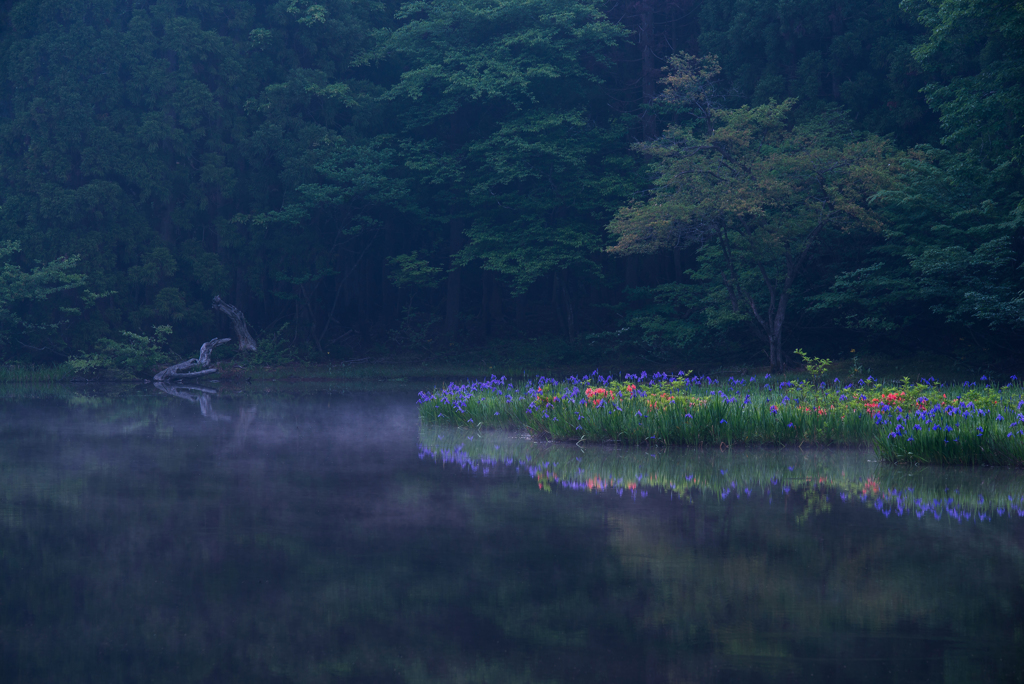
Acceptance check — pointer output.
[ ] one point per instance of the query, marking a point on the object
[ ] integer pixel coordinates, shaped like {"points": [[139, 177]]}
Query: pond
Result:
{"points": [[331, 537]]}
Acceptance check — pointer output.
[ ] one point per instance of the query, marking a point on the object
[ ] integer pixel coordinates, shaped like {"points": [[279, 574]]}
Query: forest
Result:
{"points": [[716, 180]]}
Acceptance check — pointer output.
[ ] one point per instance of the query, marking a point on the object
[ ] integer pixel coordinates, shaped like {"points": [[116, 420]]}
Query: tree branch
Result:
{"points": [[180, 371]]}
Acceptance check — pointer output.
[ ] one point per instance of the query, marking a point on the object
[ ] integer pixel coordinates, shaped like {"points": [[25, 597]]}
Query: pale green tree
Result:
{"points": [[759, 196]]}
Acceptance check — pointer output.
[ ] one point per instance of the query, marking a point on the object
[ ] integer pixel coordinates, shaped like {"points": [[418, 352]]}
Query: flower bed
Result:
{"points": [[923, 422]]}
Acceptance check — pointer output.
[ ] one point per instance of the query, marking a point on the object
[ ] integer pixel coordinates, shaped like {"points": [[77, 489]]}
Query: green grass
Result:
{"points": [[22, 373], [923, 422]]}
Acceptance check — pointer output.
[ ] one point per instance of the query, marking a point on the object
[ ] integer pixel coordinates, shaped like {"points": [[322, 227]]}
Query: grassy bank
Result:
{"points": [[912, 422], [237, 372], [521, 358], [40, 374]]}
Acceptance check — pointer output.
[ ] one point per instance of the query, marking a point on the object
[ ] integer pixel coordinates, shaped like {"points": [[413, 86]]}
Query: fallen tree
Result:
{"points": [[181, 371], [246, 342]]}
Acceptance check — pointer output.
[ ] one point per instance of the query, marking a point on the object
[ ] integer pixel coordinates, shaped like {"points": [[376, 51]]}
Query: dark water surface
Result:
{"points": [[146, 538]]}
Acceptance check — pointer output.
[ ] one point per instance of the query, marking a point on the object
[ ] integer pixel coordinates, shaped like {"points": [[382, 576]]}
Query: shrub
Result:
{"points": [[135, 356]]}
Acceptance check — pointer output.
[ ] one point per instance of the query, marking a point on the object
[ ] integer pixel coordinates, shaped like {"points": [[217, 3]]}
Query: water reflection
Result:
{"points": [[962, 494], [303, 541], [194, 394]]}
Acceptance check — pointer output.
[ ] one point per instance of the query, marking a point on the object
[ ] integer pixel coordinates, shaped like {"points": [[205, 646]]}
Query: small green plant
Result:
{"points": [[815, 366], [273, 349], [415, 330], [135, 356], [408, 270]]}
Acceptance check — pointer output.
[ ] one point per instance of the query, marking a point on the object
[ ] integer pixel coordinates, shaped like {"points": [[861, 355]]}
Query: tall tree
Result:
{"points": [[132, 137], [759, 195], [977, 49], [857, 54], [513, 155], [946, 256], [116, 148], [948, 265]]}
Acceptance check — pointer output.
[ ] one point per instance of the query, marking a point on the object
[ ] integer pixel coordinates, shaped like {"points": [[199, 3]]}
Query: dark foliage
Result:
{"points": [[361, 174]]}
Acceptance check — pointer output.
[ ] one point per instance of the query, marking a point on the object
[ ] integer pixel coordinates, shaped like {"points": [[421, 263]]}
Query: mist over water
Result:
{"points": [[331, 537]]}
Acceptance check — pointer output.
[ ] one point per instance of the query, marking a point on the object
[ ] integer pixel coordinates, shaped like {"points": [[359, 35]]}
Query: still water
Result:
{"points": [[270, 538]]}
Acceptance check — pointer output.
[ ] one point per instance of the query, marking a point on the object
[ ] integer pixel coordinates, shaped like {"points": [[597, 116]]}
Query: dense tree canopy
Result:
{"points": [[355, 174]]}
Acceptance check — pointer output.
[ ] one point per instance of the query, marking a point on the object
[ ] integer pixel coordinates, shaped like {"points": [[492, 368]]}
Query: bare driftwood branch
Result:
{"points": [[245, 338], [180, 371]]}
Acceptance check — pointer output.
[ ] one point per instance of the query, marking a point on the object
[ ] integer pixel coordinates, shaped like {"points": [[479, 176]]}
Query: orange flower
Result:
{"points": [[597, 394]]}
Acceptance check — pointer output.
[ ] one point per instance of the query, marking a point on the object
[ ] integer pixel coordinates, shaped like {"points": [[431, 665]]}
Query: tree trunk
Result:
{"points": [[245, 338], [556, 302], [649, 71], [570, 319], [495, 306], [775, 319], [775, 353], [388, 294], [561, 301], [485, 301], [838, 28], [632, 267], [451, 318], [241, 289]]}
